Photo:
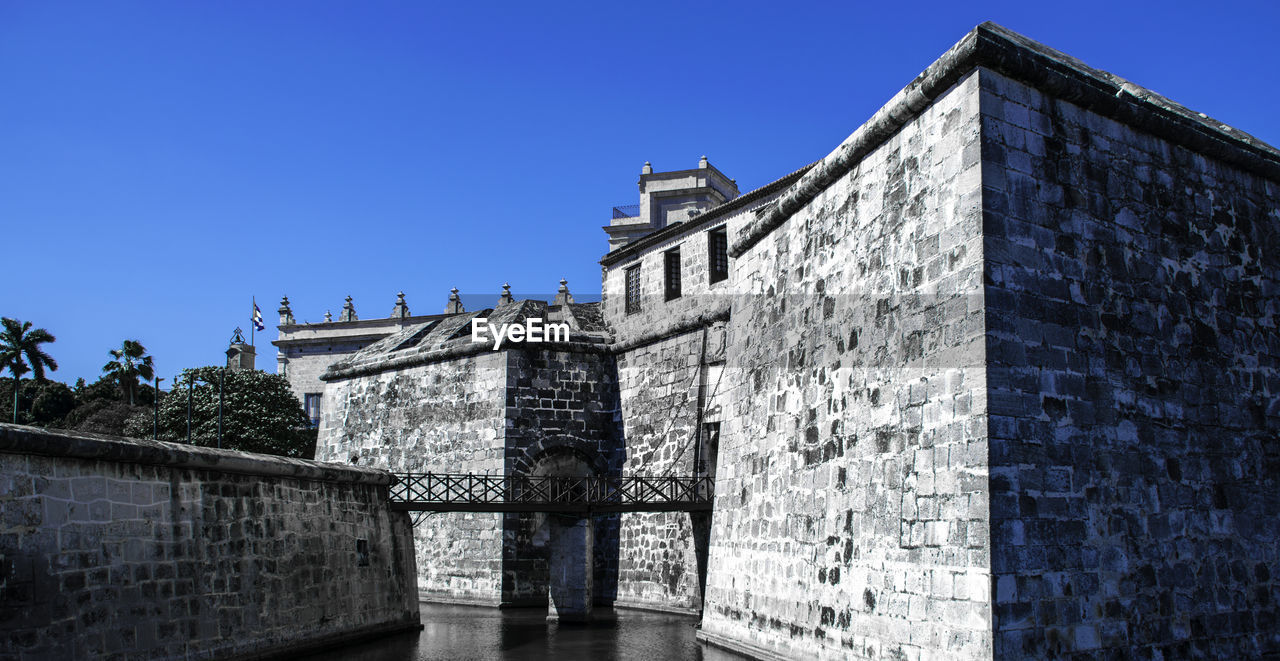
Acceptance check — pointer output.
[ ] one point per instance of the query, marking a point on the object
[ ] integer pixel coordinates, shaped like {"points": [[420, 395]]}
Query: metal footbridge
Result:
{"points": [[469, 492]]}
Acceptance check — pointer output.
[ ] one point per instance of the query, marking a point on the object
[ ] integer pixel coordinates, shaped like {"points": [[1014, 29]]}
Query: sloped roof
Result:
{"points": [[450, 337]]}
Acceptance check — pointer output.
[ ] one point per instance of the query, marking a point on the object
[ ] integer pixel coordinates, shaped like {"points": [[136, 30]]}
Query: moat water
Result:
{"points": [[464, 633]]}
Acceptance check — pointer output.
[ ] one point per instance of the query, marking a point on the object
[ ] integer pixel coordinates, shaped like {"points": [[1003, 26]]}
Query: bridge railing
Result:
{"points": [[524, 493]]}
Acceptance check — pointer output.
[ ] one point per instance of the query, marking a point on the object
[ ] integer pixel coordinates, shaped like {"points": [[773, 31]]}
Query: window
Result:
{"points": [[672, 269], [718, 254], [311, 402], [633, 289]]}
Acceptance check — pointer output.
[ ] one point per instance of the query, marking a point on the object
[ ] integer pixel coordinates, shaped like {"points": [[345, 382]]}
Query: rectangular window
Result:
{"points": [[672, 264], [311, 402], [718, 254], [633, 289]]}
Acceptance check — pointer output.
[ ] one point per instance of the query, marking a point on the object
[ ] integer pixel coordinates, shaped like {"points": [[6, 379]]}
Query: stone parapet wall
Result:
{"points": [[121, 547], [851, 498], [1134, 379]]}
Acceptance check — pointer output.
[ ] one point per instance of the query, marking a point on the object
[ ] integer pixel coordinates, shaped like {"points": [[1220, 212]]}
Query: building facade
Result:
{"points": [[306, 350]]}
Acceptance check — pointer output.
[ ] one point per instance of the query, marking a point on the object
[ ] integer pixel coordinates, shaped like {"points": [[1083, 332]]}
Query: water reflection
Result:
{"points": [[464, 633]]}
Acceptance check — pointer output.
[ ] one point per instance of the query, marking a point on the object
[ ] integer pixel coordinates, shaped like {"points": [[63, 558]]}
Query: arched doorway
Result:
{"points": [[569, 542]]}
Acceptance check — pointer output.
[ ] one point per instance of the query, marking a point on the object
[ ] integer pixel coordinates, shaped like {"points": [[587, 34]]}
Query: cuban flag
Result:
{"points": [[257, 317]]}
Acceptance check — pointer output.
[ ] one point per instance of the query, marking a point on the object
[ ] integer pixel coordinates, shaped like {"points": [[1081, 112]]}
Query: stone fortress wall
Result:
{"points": [[659, 388], [997, 378], [994, 379], [451, 406], [114, 548], [1133, 288], [442, 417], [851, 506], [1103, 484]]}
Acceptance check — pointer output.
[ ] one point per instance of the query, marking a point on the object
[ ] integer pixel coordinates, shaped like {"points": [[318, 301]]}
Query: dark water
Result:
{"points": [[462, 633]]}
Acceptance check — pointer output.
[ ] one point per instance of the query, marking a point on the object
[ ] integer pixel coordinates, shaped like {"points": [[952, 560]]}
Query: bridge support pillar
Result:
{"points": [[571, 590]]}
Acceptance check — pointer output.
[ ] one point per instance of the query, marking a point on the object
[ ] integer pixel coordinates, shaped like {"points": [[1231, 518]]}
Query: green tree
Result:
{"points": [[99, 407], [259, 413], [41, 403], [129, 363], [20, 352]]}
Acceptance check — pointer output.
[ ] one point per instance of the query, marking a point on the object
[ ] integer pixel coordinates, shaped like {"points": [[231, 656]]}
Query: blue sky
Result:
{"points": [[161, 163]]}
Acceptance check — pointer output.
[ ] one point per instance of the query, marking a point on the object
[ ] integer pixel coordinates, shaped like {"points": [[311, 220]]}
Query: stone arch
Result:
{"points": [[558, 450], [558, 460]]}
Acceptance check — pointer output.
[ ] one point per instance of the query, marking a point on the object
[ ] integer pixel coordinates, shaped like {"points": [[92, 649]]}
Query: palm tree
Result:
{"points": [[20, 352], [17, 368], [128, 363]]}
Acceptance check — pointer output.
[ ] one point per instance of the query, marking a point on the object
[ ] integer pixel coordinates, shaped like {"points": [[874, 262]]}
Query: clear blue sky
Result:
{"points": [[161, 163]]}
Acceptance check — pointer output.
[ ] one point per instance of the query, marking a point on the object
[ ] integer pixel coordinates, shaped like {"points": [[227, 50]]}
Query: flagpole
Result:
{"points": [[253, 321]]}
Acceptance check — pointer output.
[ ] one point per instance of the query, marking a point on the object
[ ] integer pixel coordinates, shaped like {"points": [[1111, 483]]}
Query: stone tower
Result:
{"points": [[240, 355], [669, 198]]}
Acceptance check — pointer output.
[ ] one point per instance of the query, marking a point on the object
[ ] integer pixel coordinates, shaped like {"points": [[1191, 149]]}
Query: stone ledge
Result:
{"points": [[429, 597], [745, 649], [692, 324], [295, 649], [21, 439], [651, 607], [1048, 70]]}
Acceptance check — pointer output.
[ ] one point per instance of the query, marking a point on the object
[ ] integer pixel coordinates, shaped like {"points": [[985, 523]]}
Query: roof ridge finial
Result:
{"points": [[506, 296], [286, 314], [401, 309], [348, 311], [455, 303]]}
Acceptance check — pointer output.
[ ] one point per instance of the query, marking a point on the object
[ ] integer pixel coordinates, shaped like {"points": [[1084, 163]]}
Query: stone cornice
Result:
{"points": [[371, 322], [686, 325], [332, 339]]}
